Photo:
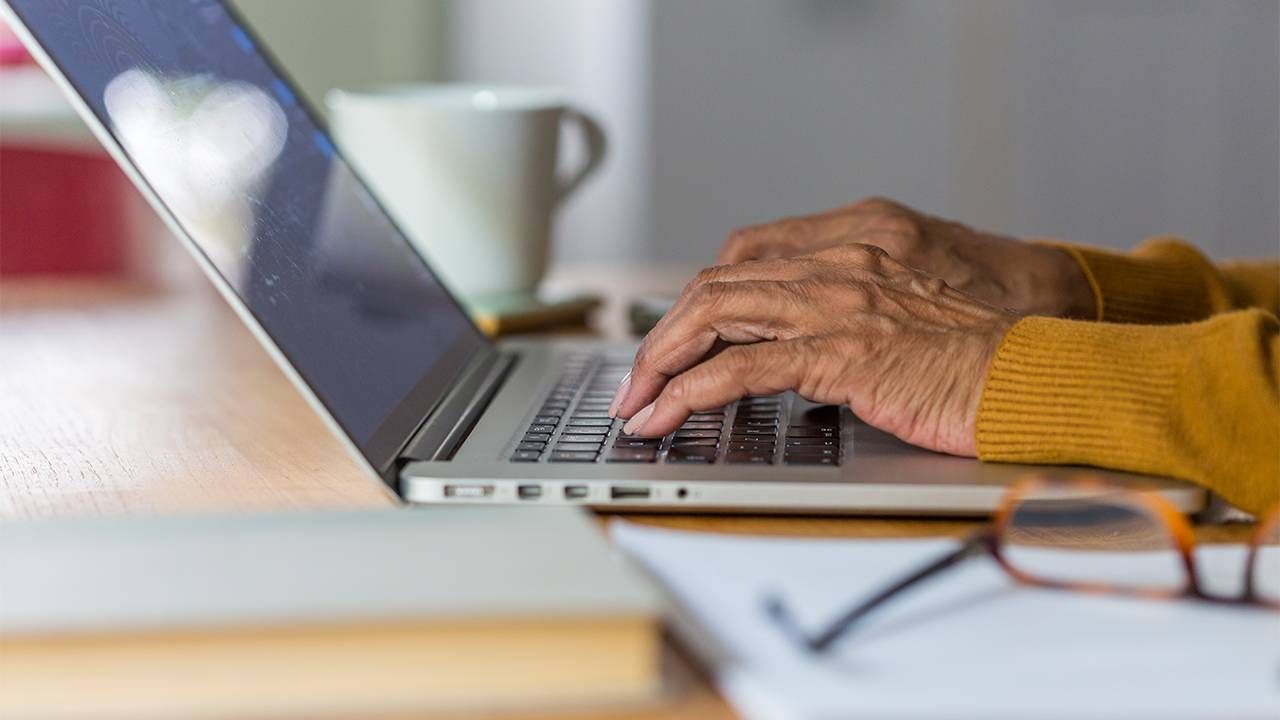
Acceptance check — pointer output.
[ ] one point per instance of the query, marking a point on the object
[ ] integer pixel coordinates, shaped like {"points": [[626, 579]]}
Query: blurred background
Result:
{"points": [[1095, 121]]}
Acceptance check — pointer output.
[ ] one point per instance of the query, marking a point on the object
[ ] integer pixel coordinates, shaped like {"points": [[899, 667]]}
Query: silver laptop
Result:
{"points": [[190, 104]]}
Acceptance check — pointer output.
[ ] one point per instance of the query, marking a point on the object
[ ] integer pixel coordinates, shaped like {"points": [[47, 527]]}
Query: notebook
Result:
{"points": [[969, 643], [372, 612]]}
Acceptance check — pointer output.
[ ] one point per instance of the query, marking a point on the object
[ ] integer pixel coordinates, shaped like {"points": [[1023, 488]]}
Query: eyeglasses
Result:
{"points": [[1086, 536]]}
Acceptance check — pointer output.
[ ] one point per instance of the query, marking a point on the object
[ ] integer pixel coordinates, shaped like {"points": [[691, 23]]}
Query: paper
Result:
{"points": [[969, 643]]}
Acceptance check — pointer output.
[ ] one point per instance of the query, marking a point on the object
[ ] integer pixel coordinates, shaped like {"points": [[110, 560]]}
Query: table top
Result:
{"points": [[127, 396]]}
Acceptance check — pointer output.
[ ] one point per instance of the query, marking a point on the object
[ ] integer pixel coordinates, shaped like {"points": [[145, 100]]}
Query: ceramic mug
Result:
{"points": [[469, 172]]}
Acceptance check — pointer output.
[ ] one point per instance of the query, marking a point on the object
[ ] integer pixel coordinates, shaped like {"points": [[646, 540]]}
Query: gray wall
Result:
{"points": [[597, 51], [1099, 121]]}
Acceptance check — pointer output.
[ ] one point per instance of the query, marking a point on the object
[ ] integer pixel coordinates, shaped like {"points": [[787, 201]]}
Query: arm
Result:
{"points": [[1197, 401]]}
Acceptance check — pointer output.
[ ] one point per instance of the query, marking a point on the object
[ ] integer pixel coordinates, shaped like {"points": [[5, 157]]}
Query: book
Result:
{"points": [[306, 613]]}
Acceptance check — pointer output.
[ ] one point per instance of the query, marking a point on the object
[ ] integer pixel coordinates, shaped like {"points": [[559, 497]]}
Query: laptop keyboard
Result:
{"points": [[573, 426]]}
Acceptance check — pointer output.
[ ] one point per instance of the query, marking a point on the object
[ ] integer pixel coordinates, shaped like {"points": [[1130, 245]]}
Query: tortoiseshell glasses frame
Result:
{"points": [[992, 541]]}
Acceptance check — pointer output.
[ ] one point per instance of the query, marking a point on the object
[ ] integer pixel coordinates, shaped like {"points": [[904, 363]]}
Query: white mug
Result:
{"points": [[469, 172]]}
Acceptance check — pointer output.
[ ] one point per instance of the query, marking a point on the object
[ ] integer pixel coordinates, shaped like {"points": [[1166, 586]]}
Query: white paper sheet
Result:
{"points": [[967, 644]]}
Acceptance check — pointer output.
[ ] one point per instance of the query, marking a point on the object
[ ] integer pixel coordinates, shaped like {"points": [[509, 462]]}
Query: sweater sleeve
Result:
{"points": [[1197, 401], [1166, 280]]}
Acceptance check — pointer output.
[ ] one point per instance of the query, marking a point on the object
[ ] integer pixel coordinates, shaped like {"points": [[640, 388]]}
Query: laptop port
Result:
{"points": [[529, 492], [468, 491], [575, 492], [628, 492]]}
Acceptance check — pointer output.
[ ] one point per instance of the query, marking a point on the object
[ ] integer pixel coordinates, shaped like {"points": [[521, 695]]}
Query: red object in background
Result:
{"points": [[62, 211], [11, 50]]}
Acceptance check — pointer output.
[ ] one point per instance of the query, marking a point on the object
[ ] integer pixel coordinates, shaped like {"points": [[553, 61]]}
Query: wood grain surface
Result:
{"points": [[123, 397]]}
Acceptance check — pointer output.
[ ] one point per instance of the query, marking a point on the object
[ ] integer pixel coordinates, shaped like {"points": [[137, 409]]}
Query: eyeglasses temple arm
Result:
{"points": [[977, 544]]}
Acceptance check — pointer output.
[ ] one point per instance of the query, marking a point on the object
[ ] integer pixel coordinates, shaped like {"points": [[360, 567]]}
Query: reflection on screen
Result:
{"points": [[223, 142]]}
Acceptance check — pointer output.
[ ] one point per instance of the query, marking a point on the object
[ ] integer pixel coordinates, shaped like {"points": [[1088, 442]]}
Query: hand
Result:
{"points": [[848, 325], [1001, 271]]}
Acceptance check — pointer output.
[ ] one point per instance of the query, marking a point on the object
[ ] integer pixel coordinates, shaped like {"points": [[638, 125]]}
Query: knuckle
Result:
{"points": [[873, 254], [877, 204], [644, 353], [707, 275], [677, 391], [802, 292], [739, 239], [742, 360], [858, 295], [710, 294]]}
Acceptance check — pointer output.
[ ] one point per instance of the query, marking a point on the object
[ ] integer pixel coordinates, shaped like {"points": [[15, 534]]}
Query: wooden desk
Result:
{"points": [[121, 397]]}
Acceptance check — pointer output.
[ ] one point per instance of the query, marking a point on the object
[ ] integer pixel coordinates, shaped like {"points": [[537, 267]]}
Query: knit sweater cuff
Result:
{"points": [[1164, 281], [1070, 392]]}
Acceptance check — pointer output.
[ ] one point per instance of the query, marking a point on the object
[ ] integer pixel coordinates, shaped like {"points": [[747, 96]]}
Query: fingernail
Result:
{"points": [[620, 394], [636, 424]]}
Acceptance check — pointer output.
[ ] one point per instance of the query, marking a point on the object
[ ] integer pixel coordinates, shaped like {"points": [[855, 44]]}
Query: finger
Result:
{"points": [[776, 239], [763, 369], [773, 269], [742, 245], [730, 312]]}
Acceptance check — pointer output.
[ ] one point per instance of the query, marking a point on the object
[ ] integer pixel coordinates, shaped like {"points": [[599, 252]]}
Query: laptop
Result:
{"points": [[190, 103]]}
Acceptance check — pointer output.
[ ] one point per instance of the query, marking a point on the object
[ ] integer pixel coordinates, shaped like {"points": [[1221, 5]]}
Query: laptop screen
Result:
{"points": [[254, 180]]}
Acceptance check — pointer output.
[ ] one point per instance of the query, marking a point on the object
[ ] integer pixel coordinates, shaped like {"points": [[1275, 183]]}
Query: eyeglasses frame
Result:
{"points": [[990, 541]]}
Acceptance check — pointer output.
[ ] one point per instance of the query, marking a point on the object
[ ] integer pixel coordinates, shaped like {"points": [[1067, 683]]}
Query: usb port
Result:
{"points": [[575, 492], [628, 492], [468, 491], [529, 492]]}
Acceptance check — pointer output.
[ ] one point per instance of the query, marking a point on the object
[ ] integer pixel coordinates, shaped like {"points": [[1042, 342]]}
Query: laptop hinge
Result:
{"points": [[450, 423]]}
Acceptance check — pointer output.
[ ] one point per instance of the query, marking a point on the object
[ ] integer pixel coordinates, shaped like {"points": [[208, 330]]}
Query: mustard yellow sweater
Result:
{"points": [[1179, 377]]}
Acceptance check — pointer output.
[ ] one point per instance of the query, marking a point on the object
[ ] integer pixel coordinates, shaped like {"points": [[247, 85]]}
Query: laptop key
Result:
{"points": [[701, 426], [806, 442], [536, 437], [542, 428], [573, 456], [694, 442], [578, 446], [570, 437], [691, 455], [697, 433], [809, 460], [586, 430], [628, 442], [751, 446], [749, 458], [811, 432], [591, 422], [525, 456], [632, 455], [539, 446], [547, 419]]}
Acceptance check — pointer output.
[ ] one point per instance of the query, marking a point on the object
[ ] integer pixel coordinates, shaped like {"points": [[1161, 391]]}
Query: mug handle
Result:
{"points": [[596, 145]]}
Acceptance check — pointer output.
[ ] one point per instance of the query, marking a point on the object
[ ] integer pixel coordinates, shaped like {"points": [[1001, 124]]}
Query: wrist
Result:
{"points": [[1069, 293]]}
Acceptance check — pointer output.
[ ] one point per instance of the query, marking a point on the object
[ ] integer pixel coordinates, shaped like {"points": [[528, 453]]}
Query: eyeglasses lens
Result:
{"points": [[1102, 539], [1266, 565]]}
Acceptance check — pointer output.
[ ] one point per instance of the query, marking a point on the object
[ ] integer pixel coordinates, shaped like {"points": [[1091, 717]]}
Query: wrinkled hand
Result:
{"points": [[848, 325], [999, 270]]}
